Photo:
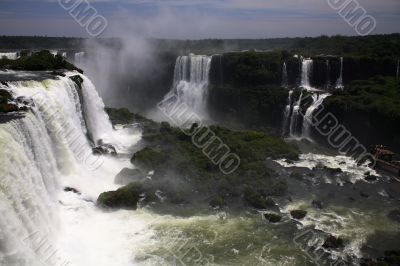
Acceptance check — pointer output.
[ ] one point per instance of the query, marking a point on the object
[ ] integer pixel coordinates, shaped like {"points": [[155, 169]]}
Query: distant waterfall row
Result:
{"points": [[191, 79], [306, 72]]}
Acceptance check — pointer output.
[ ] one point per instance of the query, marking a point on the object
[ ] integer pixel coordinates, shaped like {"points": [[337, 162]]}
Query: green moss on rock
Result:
{"points": [[126, 197]]}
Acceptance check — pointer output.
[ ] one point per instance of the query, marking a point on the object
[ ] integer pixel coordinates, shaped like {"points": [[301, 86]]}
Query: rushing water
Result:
{"points": [[339, 82], [318, 99], [78, 58], [191, 79], [41, 154], [10, 55], [285, 83], [286, 115], [306, 72], [48, 150], [295, 117]]}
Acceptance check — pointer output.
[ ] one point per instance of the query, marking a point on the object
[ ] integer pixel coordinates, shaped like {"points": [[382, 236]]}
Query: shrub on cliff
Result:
{"points": [[40, 61]]}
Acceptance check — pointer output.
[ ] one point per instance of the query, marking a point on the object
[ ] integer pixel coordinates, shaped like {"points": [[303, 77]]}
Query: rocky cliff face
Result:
{"points": [[245, 90]]}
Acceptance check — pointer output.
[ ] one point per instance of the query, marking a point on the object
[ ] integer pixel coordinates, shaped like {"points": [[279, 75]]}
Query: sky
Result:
{"points": [[195, 19]]}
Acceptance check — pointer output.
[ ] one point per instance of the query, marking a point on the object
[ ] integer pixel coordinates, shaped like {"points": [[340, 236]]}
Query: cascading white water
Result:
{"points": [[191, 80], [285, 83], [11, 56], [39, 155], [306, 72], [339, 82], [328, 76], [295, 117], [54, 52], [286, 115], [318, 99], [78, 58]]}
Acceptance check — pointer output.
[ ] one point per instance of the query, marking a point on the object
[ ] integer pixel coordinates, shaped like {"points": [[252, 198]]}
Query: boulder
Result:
{"points": [[148, 159], [333, 242], [124, 198], [8, 108], [273, 217], [5, 96], [104, 148], [298, 214], [217, 202], [394, 215], [73, 190], [127, 176], [257, 200], [317, 204]]}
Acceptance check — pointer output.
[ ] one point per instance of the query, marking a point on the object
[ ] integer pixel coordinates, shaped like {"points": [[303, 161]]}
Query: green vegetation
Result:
{"points": [[126, 197], [176, 160], [174, 154], [370, 109], [371, 45], [124, 116], [39, 61], [251, 106]]}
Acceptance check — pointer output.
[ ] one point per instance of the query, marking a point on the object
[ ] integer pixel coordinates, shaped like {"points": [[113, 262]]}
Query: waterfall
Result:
{"points": [[306, 72], [78, 58], [54, 52], [328, 76], [42, 152], [285, 83], [295, 116], [36, 150], [286, 115], [318, 99], [339, 82], [11, 56], [191, 78]]}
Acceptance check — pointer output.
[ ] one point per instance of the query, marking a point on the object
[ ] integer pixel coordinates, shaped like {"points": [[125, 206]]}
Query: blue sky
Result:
{"points": [[195, 19]]}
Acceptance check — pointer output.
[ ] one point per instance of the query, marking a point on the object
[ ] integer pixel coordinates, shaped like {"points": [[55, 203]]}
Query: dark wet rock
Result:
{"points": [[25, 101], [165, 127], [273, 217], [296, 175], [78, 80], [104, 148], [352, 199], [333, 171], [364, 194], [342, 163], [217, 202], [148, 158], [8, 108], [4, 118], [370, 178], [58, 73], [298, 214], [390, 258], [317, 204], [73, 190], [127, 176], [4, 96], [258, 201], [333, 242], [124, 198], [394, 215]]}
